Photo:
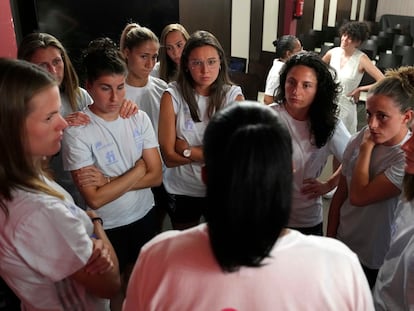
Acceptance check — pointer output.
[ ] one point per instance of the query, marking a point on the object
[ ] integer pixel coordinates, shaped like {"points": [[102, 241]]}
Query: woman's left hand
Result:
{"points": [[128, 109], [77, 118], [100, 260], [355, 95], [180, 146], [314, 188]]}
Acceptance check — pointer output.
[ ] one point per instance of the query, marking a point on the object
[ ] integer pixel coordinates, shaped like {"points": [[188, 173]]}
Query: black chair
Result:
{"points": [[408, 59], [402, 40], [370, 48], [308, 42], [318, 36], [248, 82], [387, 61], [337, 41], [403, 49], [385, 41], [407, 53], [329, 33], [325, 48]]}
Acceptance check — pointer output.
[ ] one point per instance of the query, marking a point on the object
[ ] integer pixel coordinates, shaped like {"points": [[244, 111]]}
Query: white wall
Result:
{"points": [[240, 28], [395, 7], [270, 20]]}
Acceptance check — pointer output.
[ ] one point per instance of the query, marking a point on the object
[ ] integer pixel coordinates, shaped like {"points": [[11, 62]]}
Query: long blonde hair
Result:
{"points": [[20, 81], [38, 40], [168, 68]]}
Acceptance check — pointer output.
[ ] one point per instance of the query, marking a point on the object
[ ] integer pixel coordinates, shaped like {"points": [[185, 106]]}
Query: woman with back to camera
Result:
{"points": [[173, 38], [363, 207], [244, 258], [286, 46], [202, 88], [307, 101], [47, 255]]}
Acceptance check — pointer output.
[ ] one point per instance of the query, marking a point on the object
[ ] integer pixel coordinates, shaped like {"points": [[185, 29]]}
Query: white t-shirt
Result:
{"points": [[113, 147], [61, 176], [177, 271], [367, 229], [155, 72], [148, 98], [43, 242], [308, 162], [273, 78], [394, 289], [83, 100], [186, 179]]}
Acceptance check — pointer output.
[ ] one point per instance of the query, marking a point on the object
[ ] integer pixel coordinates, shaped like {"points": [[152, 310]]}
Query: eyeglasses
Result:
{"points": [[211, 63]]}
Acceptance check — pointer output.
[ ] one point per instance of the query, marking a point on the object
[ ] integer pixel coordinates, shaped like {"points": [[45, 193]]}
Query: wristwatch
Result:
{"points": [[187, 153]]}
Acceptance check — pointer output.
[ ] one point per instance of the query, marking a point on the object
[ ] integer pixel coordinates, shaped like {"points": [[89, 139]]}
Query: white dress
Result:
{"points": [[350, 77]]}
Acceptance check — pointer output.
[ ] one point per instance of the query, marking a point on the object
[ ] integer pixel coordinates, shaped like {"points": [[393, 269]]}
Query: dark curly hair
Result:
{"points": [[324, 108], [357, 31]]}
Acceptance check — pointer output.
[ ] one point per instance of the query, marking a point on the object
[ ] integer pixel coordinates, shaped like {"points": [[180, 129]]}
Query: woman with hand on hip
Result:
{"points": [[202, 88], [350, 64], [307, 102]]}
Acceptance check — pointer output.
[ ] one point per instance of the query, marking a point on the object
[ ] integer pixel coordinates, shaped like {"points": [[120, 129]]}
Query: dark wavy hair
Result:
{"points": [[324, 108], [248, 158], [357, 31], [103, 57]]}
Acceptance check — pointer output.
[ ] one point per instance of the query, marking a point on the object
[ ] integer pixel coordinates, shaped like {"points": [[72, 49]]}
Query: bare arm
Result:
{"points": [[96, 196], [167, 134], [334, 210], [314, 188], [365, 65], [364, 191], [327, 57], [267, 99], [153, 175], [101, 283]]}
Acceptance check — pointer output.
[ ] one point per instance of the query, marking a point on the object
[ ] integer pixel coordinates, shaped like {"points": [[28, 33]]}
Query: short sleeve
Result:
{"points": [[52, 240]]}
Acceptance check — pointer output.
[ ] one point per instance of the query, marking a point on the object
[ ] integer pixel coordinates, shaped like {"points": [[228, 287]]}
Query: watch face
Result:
{"points": [[187, 153]]}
